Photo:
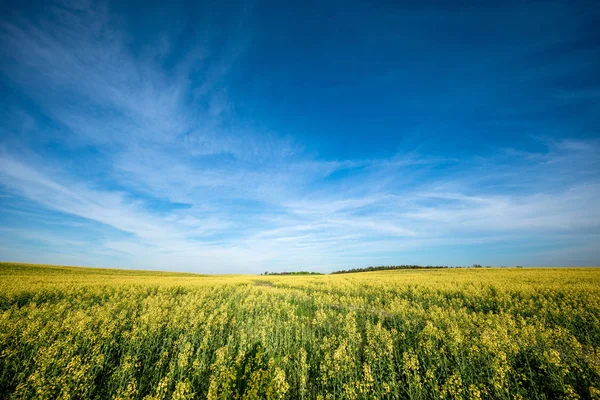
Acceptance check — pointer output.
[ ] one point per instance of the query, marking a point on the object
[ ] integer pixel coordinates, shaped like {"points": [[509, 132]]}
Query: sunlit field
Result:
{"points": [[416, 334]]}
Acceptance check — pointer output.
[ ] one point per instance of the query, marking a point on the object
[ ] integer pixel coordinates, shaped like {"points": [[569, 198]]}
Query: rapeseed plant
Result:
{"points": [[73, 333]]}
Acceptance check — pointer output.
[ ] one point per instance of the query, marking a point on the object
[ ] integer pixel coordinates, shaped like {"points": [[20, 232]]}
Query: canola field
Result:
{"points": [[77, 333]]}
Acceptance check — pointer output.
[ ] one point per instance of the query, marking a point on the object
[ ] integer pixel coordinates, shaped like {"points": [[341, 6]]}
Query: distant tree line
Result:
{"points": [[292, 273], [382, 268], [389, 267]]}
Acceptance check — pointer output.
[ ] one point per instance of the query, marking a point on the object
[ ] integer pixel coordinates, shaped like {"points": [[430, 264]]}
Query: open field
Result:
{"points": [[486, 333]]}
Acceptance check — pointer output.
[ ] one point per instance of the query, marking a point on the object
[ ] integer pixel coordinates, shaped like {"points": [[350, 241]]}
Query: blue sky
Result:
{"points": [[252, 136]]}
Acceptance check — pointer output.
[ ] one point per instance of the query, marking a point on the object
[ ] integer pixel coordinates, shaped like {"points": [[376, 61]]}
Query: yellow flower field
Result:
{"points": [[415, 334]]}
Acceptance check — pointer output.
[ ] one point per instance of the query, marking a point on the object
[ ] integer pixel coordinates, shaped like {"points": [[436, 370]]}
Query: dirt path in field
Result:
{"points": [[263, 283]]}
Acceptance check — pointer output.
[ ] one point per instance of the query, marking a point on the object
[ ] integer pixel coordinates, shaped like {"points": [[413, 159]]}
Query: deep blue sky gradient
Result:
{"points": [[245, 136]]}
